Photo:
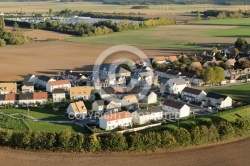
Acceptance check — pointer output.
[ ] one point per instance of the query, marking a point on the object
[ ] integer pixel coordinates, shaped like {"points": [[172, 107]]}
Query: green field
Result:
{"points": [[173, 36], [12, 124], [239, 92], [236, 21]]}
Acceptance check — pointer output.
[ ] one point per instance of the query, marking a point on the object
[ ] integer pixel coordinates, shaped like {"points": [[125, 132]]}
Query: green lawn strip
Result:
{"points": [[236, 21], [238, 92]]}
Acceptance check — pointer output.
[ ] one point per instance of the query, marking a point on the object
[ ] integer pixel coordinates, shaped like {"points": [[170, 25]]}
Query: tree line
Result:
{"points": [[137, 141], [14, 37], [224, 14], [99, 28]]}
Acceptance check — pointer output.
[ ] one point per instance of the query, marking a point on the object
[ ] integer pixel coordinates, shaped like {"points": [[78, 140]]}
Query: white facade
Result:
{"points": [[151, 98], [50, 88], [193, 97], [227, 103], [43, 83], [58, 97], [179, 113], [29, 89], [96, 107], [33, 101]]}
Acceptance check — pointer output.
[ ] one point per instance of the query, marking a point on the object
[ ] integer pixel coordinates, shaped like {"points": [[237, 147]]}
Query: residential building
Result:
{"points": [[82, 92], [193, 95], [28, 87], [75, 78], [230, 62], [148, 97], [33, 98], [58, 95], [105, 106], [43, 80], [62, 84], [171, 59], [175, 108], [31, 78], [77, 110], [218, 100], [115, 120], [8, 88], [159, 59], [130, 102], [9, 98], [173, 86]]}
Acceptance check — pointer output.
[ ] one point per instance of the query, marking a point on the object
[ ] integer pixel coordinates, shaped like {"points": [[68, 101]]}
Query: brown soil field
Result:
{"points": [[52, 57], [234, 153], [43, 35]]}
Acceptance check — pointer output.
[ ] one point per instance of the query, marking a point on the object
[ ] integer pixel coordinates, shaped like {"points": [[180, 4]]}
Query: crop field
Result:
{"points": [[174, 36], [239, 92], [29, 7], [236, 21]]}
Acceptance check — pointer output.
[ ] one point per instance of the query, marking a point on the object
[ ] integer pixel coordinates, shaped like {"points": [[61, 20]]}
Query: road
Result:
{"points": [[232, 153]]}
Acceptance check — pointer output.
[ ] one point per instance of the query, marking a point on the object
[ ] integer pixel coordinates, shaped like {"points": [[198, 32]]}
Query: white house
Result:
{"points": [[130, 102], [106, 93], [31, 78], [28, 87], [144, 116], [173, 86], [193, 95], [217, 100], [175, 108], [77, 110], [62, 84], [58, 95], [115, 120], [33, 98], [43, 80], [149, 98], [115, 101]]}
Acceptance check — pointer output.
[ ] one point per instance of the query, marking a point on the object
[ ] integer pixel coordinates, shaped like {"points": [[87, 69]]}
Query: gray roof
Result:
{"points": [[99, 102], [173, 103], [107, 90], [216, 95], [155, 109], [114, 100], [159, 69], [2, 97], [59, 90], [142, 112], [28, 83], [26, 96], [44, 78], [26, 79], [178, 81], [192, 90], [188, 75]]}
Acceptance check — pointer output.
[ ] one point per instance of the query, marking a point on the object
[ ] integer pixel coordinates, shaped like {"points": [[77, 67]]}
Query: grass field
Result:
{"points": [[12, 124], [239, 92], [99, 7], [238, 22], [174, 36]]}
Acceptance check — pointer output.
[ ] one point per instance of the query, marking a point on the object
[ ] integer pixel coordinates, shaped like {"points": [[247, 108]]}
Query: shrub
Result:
{"points": [[167, 139], [115, 142], [183, 137], [93, 143], [226, 130]]}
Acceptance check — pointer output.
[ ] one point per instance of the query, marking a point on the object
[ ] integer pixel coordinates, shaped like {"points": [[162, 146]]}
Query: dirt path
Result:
{"points": [[233, 153]]}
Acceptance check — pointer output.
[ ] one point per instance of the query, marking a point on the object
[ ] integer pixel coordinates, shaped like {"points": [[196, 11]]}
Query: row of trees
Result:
{"points": [[15, 37], [224, 14], [181, 137]]}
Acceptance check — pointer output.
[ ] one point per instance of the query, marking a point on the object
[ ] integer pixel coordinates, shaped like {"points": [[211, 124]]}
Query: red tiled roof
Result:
{"points": [[59, 82]]}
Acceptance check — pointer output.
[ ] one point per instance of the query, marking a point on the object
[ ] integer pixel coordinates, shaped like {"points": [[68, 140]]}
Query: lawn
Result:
{"points": [[236, 21], [190, 37], [12, 124], [38, 113], [188, 123], [238, 92]]}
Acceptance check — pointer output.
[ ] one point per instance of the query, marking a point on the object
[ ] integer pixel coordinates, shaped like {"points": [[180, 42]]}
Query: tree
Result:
{"points": [[136, 142], [183, 137], [50, 12], [226, 130], [213, 133], [2, 42], [15, 26], [215, 50], [93, 143], [219, 74], [196, 135], [64, 139], [2, 23], [213, 75], [241, 43], [198, 15], [167, 139], [5, 136], [218, 56], [115, 142]]}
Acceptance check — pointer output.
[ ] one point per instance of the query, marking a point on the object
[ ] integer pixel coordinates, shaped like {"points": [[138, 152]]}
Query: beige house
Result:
{"points": [[28, 87], [130, 102], [159, 59], [82, 92], [8, 88], [77, 110]]}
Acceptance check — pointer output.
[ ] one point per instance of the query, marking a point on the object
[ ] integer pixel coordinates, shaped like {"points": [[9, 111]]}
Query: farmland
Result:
{"points": [[190, 37], [236, 21], [239, 92]]}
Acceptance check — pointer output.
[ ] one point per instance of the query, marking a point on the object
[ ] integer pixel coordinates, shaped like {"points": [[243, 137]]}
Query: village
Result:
{"points": [[127, 96]]}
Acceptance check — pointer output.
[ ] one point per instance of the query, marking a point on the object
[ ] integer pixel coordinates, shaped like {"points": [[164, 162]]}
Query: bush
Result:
{"points": [[167, 140], [213, 134], [115, 142], [196, 135], [93, 143], [226, 130]]}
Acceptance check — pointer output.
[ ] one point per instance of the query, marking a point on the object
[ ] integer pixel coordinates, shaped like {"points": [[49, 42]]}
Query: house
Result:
{"points": [[167, 73], [115, 120], [197, 80], [175, 108], [130, 102], [62, 84], [58, 95], [173, 86], [8, 88], [149, 97], [75, 78], [218, 100], [9, 98], [142, 78], [31, 78], [43, 80], [141, 116], [82, 92], [116, 101], [161, 72], [77, 110], [212, 63], [105, 106], [193, 95], [106, 93], [188, 77], [113, 69], [159, 59], [33, 98], [171, 59], [196, 65], [230, 62], [28, 87]]}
